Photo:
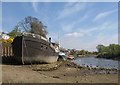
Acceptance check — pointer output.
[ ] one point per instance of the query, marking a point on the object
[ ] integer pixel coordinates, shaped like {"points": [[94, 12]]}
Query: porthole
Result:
{"points": [[41, 46]]}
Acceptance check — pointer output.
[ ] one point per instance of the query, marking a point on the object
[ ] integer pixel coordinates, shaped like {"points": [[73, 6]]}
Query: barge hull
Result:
{"points": [[30, 50]]}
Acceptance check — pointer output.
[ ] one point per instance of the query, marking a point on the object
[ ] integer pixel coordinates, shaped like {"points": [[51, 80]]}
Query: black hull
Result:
{"points": [[28, 49]]}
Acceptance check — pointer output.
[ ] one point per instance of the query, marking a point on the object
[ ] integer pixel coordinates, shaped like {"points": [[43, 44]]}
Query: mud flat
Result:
{"points": [[60, 72]]}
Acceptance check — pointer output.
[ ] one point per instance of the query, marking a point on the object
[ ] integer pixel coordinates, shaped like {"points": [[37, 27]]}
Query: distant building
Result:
{"points": [[4, 36]]}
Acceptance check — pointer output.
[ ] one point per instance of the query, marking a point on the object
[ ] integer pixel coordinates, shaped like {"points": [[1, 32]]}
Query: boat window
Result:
{"points": [[41, 46]]}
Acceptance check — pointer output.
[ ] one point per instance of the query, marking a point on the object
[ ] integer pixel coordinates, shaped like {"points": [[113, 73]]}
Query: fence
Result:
{"points": [[6, 51]]}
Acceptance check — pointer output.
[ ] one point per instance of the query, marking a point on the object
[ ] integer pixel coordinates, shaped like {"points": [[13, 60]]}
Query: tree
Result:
{"points": [[15, 32], [30, 25], [101, 48], [33, 25], [112, 51], [82, 52]]}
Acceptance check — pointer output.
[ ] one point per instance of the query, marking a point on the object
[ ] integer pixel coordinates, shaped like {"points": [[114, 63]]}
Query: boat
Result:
{"points": [[70, 57], [62, 56], [31, 48]]}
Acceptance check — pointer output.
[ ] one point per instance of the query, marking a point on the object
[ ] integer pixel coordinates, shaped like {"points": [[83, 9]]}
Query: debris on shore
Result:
{"points": [[46, 67], [68, 64]]}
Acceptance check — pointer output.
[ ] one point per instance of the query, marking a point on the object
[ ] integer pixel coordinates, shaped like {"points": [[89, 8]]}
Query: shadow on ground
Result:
{"points": [[9, 60]]}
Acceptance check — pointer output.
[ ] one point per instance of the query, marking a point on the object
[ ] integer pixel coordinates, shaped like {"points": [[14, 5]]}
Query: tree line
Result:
{"points": [[110, 52]]}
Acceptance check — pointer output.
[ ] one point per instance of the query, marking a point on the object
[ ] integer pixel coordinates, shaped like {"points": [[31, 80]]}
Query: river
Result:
{"points": [[97, 62]]}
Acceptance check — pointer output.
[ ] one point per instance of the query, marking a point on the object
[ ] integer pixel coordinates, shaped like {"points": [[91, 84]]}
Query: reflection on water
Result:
{"points": [[96, 62]]}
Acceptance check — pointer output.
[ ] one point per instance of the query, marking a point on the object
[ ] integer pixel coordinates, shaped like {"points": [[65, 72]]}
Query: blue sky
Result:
{"points": [[78, 25]]}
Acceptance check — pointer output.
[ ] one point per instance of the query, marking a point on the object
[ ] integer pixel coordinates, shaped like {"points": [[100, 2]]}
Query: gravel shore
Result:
{"points": [[60, 72]]}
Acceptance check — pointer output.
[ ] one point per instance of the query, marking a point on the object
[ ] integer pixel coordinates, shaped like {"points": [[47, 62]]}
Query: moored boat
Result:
{"points": [[70, 57], [32, 48]]}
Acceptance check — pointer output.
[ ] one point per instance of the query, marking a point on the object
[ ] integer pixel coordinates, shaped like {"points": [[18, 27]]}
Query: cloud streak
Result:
{"points": [[75, 34], [35, 6], [100, 28], [71, 8], [71, 25], [103, 15]]}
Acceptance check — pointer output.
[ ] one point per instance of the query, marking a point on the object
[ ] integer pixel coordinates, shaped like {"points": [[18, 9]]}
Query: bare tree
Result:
{"points": [[32, 25]]}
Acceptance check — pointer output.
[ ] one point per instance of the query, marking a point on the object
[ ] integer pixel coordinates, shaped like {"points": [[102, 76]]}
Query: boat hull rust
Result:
{"points": [[28, 49]]}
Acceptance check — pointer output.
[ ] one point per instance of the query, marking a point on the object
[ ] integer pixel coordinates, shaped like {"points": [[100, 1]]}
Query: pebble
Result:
{"points": [[64, 75], [76, 82]]}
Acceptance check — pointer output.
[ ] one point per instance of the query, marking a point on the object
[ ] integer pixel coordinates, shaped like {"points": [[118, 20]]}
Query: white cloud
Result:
{"points": [[75, 34], [105, 40], [71, 8], [77, 39], [77, 43], [103, 15], [69, 42]]}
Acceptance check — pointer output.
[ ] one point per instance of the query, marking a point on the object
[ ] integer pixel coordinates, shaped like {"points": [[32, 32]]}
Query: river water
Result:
{"points": [[97, 62]]}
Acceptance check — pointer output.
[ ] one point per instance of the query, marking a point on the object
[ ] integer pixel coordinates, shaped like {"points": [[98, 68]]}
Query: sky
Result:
{"points": [[75, 25]]}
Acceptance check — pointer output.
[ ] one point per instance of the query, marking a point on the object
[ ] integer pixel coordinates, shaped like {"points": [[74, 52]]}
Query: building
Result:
{"points": [[4, 36]]}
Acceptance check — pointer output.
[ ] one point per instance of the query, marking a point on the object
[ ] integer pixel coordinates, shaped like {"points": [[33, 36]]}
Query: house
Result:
{"points": [[4, 36]]}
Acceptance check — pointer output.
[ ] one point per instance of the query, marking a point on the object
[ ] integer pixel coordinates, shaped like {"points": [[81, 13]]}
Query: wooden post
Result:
{"points": [[0, 49], [11, 51], [8, 51], [11, 54], [3, 50]]}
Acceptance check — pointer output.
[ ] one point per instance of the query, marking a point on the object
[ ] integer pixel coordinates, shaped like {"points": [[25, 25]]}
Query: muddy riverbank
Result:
{"points": [[60, 72]]}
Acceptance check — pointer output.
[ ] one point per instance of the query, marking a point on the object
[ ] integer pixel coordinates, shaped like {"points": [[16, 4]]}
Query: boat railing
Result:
{"points": [[43, 38], [35, 36], [56, 48]]}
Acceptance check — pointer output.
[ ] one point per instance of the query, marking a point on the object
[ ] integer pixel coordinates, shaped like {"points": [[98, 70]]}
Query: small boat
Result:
{"points": [[31, 48], [70, 57], [62, 56]]}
